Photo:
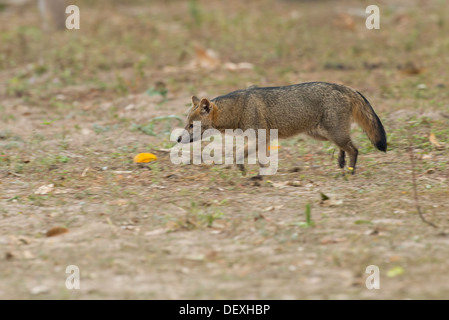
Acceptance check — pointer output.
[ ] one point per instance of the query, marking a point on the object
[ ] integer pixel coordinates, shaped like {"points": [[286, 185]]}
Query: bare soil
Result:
{"points": [[77, 105]]}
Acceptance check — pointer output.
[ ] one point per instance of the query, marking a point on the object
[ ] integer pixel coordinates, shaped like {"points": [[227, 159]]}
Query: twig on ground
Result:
{"points": [[415, 188]]}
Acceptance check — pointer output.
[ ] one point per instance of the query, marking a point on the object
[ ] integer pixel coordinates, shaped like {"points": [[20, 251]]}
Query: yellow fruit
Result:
{"points": [[144, 158]]}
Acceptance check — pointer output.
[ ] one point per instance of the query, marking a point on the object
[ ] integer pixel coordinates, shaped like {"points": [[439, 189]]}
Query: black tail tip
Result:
{"points": [[382, 146]]}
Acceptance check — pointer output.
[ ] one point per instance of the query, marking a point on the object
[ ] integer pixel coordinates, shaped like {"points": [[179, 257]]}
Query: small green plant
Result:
{"points": [[100, 129], [308, 223], [121, 86], [162, 91], [195, 12], [209, 218], [17, 86], [159, 90], [62, 159]]}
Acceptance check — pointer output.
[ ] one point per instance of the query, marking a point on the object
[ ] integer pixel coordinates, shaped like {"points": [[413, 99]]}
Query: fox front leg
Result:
{"points": [[245, 152], [241, 166]]}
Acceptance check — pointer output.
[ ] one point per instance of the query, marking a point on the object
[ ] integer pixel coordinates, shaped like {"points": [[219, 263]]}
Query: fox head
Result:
{"points": [[203, 111]]}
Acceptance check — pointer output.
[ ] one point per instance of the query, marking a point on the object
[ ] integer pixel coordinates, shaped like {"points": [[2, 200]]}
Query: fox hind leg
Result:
{"points": [[316, 134], [338, 131], [353, 157], [349, 148], [341, 159]]}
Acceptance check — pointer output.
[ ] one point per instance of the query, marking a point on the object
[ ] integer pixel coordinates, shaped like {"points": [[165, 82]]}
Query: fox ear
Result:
{"points": [[204, 106], [195, 100]]}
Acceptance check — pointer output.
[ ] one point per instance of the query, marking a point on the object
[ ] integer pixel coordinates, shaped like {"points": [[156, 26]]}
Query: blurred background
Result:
{"points": [[215, 46]]}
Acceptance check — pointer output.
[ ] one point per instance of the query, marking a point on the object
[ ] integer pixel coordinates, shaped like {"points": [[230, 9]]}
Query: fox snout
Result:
{"points": [[185, 140]]}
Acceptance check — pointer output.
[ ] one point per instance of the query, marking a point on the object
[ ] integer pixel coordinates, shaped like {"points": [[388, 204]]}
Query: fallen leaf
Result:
{"points": [[273, 208], [85, 172], [331, 203], [56, 231], [395, 258], [45, 189], [373, 232], [279, 185], [433, 140], [156, 232], [9, 255], [23, 240], [195, 257], [363, 222], [395, 271], [285, 184], [39, 290], [330, 240], [206, 58], [238, 66], [308, 157], [63, 191], [131, 228], [121, 202], [27, 255], [144, 158], [410, 69], [344, 21], [324, 197]]}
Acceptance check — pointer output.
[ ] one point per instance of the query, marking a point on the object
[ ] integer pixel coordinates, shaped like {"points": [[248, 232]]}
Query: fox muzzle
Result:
{"points": [[181, 140]]}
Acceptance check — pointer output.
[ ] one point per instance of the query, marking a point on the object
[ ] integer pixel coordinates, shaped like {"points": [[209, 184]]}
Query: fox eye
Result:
{"points": [[191, 126]]}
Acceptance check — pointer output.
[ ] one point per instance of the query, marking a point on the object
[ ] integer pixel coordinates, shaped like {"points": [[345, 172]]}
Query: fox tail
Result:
{"points": [[364, 115]]}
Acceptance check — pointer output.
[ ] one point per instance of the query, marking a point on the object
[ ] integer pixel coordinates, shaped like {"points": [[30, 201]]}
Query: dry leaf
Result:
{"points": [[433, 140], [238, 66], [331, 203], [280, 185], [144, 158], [156, 232], [195, 257], [330, 240], [395, 271], [23, 240], [85, 172], [39, 290], [345, 21], [207, 59], [395, 258], [27, 255], [273, 208], [56, 231], [9, 255], [45, 189], [410, 69], [121, 202], [63, 191], [284, 184]]}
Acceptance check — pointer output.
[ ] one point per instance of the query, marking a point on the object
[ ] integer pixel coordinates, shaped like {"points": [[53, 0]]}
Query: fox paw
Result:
{"points": [[242, 169], [256, 178], [351, 170]]}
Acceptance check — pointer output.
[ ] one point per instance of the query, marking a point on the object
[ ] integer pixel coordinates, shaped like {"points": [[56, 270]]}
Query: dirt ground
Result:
{"points": [[77, 105]]}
